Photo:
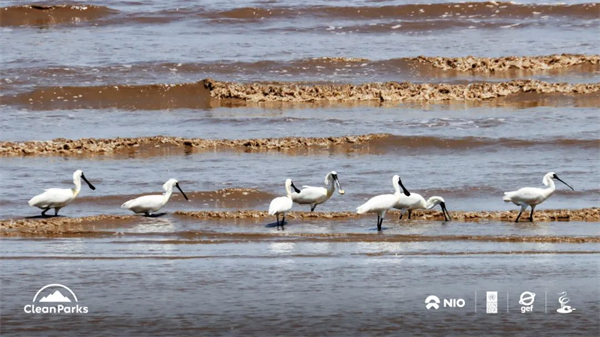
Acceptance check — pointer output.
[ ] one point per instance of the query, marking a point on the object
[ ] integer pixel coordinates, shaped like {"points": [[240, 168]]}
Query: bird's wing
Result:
{"points": [[377, 203], [52, 196], [408, 202], [146, 201], [525, 195], [309, 195]]}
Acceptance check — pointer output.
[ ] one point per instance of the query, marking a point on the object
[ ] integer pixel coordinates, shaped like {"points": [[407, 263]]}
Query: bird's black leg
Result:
{"points": [[409, 214], [283, 221], [521, 212], [379, 222], [56, 211], [44, 212], [531, 215], [312, 208], [277, 215], [401, 214]]}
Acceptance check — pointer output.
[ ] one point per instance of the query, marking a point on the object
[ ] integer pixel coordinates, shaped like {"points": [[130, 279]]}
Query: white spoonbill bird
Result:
{"points": [[416, 201], [382, 203], [153, 203], [533, 196], [314, 196], [58, 198], [282, 205]]}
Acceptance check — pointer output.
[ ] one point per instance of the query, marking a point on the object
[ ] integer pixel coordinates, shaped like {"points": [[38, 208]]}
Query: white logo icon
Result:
{"points": [[563, 300], [56, 296], [491, 302], [526, 300], [44, 304], [432, 301]]}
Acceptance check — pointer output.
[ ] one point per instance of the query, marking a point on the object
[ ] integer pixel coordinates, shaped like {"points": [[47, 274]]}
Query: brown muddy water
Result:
{"points": [[105, 69]]}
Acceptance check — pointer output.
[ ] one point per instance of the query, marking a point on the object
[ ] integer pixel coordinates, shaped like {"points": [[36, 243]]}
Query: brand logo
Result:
{"points": [[433, 301], [526, 300], [491, 306], [44, 299], [563, 300]]}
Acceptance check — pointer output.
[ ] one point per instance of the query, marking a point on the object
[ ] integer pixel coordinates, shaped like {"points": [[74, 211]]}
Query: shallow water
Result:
{"points": [[136, 284], [176, 275]]}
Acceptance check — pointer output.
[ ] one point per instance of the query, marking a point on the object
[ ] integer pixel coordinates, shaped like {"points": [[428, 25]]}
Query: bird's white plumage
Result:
{"points": [[310, 195], [282, 205], [151, 203], [378, 204], [146, 203], [412, 202], [58, 198]]}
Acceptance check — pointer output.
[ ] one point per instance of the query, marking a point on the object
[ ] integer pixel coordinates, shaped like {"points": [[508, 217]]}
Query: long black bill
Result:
{"points": [[445, 211], [406, 192], [89, 184], [179, 188], [557, 178], [295, 189], [337, 182]]}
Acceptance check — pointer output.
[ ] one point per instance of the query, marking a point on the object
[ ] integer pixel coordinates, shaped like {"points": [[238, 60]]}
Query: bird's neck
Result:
{"points": [[550, 189], [330, 187], [168, 193], [77, 183]]}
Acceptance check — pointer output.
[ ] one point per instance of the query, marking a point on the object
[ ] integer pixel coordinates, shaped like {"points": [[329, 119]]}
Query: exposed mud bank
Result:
{"points": [[114, 145], [498, 64], [389, 91]]}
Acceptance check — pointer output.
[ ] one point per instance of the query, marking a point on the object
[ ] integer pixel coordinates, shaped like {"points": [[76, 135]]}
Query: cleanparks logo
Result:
{"points": [[55, 299]]}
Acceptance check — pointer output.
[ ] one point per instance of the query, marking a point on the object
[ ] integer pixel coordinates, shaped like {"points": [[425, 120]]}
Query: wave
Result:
{"points": [[47, 15], [411, 11], [145, 97], [224, 198], [445, 14], [357, 144]]}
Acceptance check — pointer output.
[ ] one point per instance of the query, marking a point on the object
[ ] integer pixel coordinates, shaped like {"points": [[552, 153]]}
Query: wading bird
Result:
{"points": [[282, 205], [314, 196], [382, 203], [153, 203], [58, 198], [533, 196], [416, 201]]}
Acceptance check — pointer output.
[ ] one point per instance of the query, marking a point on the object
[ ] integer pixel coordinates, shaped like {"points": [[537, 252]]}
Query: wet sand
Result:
{"points": [[87, 225]]}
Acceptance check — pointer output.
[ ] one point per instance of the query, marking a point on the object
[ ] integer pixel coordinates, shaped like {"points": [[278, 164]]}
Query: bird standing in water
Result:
{"points": [[533, 196]]}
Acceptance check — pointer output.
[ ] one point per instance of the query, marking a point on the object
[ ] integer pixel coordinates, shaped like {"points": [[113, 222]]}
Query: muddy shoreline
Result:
{"points": [[507, 63], [389, 91], [89, 226], [66, 147]]}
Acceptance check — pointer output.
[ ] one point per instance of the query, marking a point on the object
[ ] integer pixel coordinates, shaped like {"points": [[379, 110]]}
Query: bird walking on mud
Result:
{"points": [[58, 198], [314, 196], [533, 196], [282, 205], [153, 203], [416, 201], [380, 204]]}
